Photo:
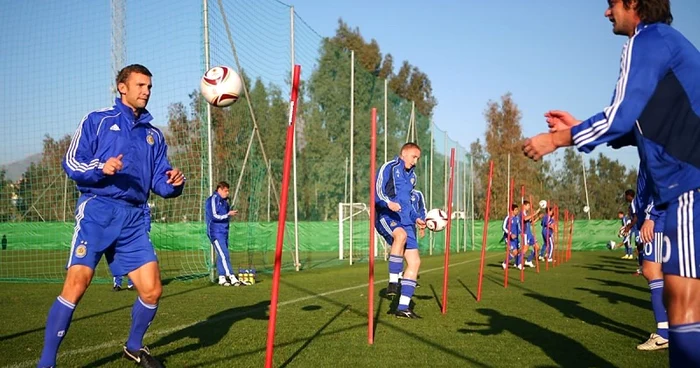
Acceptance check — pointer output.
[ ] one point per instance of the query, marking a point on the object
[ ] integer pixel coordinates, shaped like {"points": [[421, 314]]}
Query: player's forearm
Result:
{"points": [[562, 138]]}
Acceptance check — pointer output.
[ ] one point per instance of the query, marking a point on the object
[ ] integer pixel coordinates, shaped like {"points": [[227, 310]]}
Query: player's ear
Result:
{"points": [[121, 87]]}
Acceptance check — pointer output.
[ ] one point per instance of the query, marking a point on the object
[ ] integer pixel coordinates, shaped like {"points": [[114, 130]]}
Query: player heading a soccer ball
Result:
{"points": [[396, 222]]}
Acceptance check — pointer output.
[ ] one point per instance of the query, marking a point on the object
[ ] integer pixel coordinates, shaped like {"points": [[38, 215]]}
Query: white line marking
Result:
{"points": [[119, 343]]}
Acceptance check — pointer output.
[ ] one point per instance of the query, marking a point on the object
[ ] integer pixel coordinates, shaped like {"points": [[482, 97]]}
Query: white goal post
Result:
{"points": [[353, 233]]}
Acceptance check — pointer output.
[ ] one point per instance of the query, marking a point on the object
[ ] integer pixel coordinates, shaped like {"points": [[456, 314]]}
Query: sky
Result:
{"points": [[548, 54]]}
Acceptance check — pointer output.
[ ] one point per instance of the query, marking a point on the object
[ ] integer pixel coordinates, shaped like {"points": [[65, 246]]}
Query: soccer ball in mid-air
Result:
{"points": [[436, 219], [586, 209], [543, 204], [221, 86]]}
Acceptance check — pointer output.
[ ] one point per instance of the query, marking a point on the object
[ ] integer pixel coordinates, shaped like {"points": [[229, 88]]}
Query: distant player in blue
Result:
{"points": [[651, 235], [396, 222], [655, 107], [633, 225], [117, 280], [511, 232], [547, 224], [218, 215], [530, 240], [116, 157], [624, 222]]}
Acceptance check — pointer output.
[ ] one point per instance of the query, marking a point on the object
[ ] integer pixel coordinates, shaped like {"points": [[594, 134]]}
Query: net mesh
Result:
{"points": [[67, 57]]}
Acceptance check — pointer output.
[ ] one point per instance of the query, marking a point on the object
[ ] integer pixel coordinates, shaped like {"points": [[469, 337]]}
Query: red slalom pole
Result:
{"points": [[449, 228], [372, 214], [571, 239], [562, 250], [510, 228], [485, 232], [282, 218], [522, 231]]}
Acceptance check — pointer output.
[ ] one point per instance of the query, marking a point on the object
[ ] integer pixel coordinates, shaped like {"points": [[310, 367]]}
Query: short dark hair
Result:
{"points": [[621, 213], [526, 202], [513, 207], [222, 184], [409, 145], [651, 11], [629, 192], [123, 74]]}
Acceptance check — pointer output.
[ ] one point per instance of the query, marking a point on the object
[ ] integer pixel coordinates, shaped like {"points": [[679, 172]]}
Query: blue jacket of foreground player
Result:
{"points": [[656, 106], [216, 215], [108, 133], [418, 202], [395, 184]]}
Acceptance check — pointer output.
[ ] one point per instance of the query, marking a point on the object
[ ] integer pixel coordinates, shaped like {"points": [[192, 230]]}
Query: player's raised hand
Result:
{"points": [[560, 120], [113, 165], [394, 206], [175, 177], [646, 234], [233, 212], [538, 146]]}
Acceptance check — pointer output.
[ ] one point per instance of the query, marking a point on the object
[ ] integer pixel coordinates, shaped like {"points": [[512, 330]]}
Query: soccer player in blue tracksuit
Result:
{"points": [[656, 107], [651, 235], [117, 158], [633, 225], [396, 222], [218, 214], [547, 235], [511, 232], [530, 240], [625, 221]]}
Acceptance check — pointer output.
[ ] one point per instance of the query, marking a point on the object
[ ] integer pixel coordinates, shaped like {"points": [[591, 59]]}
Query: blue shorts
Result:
{"points": [[385, 225], [113, 228], [654, 251], [530, 239], [681, 249], [514, 245]]}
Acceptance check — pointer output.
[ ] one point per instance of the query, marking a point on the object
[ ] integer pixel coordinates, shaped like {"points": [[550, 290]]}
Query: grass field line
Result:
{"points": [[119, 343]]}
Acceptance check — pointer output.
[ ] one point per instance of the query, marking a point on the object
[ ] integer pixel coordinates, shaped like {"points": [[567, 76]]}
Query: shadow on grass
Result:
{"points": [[573, 309], [409, 334], [437, 300], [207, 333], [466, 288], [563, 350], [614, 283], [314, 336], [98, 314], [606, 268], [615, 298]]}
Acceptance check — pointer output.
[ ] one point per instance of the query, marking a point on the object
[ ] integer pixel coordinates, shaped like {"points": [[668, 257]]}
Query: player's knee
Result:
{"points": [[399, 236], [152, 294], [651, 271], [77, 281]]}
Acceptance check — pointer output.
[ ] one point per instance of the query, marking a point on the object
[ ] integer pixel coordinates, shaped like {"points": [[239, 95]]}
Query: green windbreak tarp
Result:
{"points": [[313, 236]]}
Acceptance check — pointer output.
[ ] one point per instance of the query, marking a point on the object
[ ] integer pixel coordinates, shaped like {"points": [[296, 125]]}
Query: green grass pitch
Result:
{"points": [[589, 312]]}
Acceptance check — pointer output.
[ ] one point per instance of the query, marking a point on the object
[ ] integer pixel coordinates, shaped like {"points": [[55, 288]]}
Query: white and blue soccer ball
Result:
{"points": [[436, 220], [543, 204], [221, 86]]}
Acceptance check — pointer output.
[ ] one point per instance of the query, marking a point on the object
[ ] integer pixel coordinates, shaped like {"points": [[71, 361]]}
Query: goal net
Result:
{"points": [[353, 234]]}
